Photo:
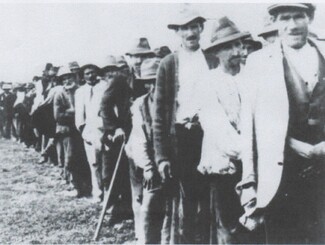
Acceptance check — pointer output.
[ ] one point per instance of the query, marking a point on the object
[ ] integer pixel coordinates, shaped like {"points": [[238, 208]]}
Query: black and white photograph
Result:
{"points": [[151, 122]]}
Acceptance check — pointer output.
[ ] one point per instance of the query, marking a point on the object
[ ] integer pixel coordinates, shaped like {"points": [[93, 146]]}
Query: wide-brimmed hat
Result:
{"points": [[256, 44], [74, 65], [185, 17], [225, 31], [274, 8], [149, 69], [162, 51], [64, 70], [140, 46], [89, 65], [7, 86], [109, 63], [268, 29]]}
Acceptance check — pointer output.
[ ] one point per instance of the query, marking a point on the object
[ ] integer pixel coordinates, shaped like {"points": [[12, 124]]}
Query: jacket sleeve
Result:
{"points": [[161, 136], [61, 115]]}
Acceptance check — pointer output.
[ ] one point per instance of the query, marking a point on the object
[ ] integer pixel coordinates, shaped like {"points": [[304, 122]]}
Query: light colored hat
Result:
{"points": [[149, 68], [64, 70], [121, 62], [7, 86], [109, 62], [225, 31], [140, 46], [268, 29], [74, 65], [185, 17], [274, 8]]}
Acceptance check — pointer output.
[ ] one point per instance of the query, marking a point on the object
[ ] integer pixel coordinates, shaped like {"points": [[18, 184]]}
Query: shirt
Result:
{"points": [[305, 61], [193, 70]]}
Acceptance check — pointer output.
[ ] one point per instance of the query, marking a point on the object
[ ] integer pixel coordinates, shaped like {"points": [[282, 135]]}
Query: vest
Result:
{"points": [[306, 110]]}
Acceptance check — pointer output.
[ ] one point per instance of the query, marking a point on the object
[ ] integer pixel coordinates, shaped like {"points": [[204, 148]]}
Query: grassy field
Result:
{"points": [[33, 209]]}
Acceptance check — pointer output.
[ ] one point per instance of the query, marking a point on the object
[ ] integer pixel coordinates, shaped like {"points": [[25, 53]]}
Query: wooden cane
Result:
{"points": [[108, 195]]}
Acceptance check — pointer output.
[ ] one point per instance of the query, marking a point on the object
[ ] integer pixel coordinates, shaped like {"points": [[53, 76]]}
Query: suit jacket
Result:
{"points": [[115, 106], [264, 76], [61, 104], [165, 105]]}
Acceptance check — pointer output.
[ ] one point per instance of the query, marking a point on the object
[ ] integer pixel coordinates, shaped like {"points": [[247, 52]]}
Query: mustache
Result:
{"points": [[191, 38]]}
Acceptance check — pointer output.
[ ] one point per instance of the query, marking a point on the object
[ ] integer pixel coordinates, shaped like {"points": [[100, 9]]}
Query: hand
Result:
{"points": [[164, 170], [318, 150], [149, 177], [119, 134]]}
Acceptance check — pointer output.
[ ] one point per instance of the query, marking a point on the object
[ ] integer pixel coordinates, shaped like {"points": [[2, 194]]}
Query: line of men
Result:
{"points": [[220, 147]]}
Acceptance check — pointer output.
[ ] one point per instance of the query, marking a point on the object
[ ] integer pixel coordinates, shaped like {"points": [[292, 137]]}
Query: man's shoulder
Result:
{"points": [[169, 59]]}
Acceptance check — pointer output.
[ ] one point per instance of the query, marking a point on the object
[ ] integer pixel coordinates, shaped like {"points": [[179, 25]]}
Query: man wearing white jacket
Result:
{"points": [[287, 82]]}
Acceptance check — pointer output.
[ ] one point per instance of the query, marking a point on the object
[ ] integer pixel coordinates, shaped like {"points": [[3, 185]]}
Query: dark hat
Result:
{"points": [[256, 44], [74, 65], [225, 31], [149, 69], [185, 17], [162, 51], [140, 46], [48, 66], [86, 66], [30, 85], [274, 8]]}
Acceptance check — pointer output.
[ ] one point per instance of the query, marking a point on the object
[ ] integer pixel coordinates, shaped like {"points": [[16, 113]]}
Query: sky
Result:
{"points": [[34, 33]]}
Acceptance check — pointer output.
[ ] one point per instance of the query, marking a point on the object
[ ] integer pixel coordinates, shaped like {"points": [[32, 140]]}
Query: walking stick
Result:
{"points": [[108, 195]]}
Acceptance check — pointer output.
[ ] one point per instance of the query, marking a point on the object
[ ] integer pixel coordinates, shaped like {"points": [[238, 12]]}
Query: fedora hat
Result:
{"points": [[140, 46], [74, 65], [185, 17], [274, 8], [162, 51], [89, 65], [149, 69], [64, 70], [109, 63], [225, 31], [256, 44]]}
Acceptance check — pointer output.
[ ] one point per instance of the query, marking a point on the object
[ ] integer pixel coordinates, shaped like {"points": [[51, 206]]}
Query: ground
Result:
{"points": [[34, 210]]}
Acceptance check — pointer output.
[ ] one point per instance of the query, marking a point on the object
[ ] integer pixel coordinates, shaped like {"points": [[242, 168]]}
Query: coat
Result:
{"points": [[165, 104], [264, 76]]}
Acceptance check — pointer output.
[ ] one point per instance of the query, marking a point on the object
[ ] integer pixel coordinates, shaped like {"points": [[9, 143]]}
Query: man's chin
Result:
{"points": [[296, 42]]}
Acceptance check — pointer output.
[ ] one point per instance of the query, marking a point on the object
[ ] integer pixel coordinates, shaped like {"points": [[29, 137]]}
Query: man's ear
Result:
{"points": [[201, 26]]}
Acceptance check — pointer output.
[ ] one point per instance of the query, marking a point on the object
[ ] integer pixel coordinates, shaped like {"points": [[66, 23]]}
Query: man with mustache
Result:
{"points": [[89, 123], [221, 152], [177, 134], [288, 111]]}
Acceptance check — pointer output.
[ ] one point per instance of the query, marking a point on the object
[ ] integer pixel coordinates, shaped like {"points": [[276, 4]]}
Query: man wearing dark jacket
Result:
{"points": [[176, 131], [7, 100]]}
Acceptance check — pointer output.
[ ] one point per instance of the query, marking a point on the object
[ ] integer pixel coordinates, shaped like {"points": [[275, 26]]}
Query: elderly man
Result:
{"points": [[177, 135], [89, 123], [138, 53], [68, 140], [288, 108], [220, 119]]}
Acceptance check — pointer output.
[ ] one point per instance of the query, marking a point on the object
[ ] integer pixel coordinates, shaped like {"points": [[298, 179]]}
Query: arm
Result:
{"points": [[80, 114], [62, 114]]}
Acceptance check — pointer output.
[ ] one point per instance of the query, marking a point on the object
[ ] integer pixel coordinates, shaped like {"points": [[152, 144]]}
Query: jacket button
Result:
{"points": [[280, 163]]}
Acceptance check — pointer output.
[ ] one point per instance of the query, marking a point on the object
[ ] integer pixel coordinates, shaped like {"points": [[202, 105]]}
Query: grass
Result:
{"points": [[34, 211]]}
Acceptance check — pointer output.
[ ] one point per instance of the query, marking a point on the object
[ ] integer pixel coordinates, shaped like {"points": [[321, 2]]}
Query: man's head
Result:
{"points": [[89, 73], [149, 71], [250, 46], [74, 67], [110, 68], [188, 26], [227, 44], [6, 87], [138, 53], [67, 78], [292, 21]]}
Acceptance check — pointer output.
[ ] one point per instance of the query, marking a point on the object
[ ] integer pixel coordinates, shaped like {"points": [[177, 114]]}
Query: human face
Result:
{"points": [[247, 49], [190, 35], [136, 61], [108, 76], [230, 56], [293, 27], [90, 75], [69, 81]]}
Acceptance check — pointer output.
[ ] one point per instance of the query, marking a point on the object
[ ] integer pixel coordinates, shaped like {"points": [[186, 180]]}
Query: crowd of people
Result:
{"points": [[223, 145]]}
